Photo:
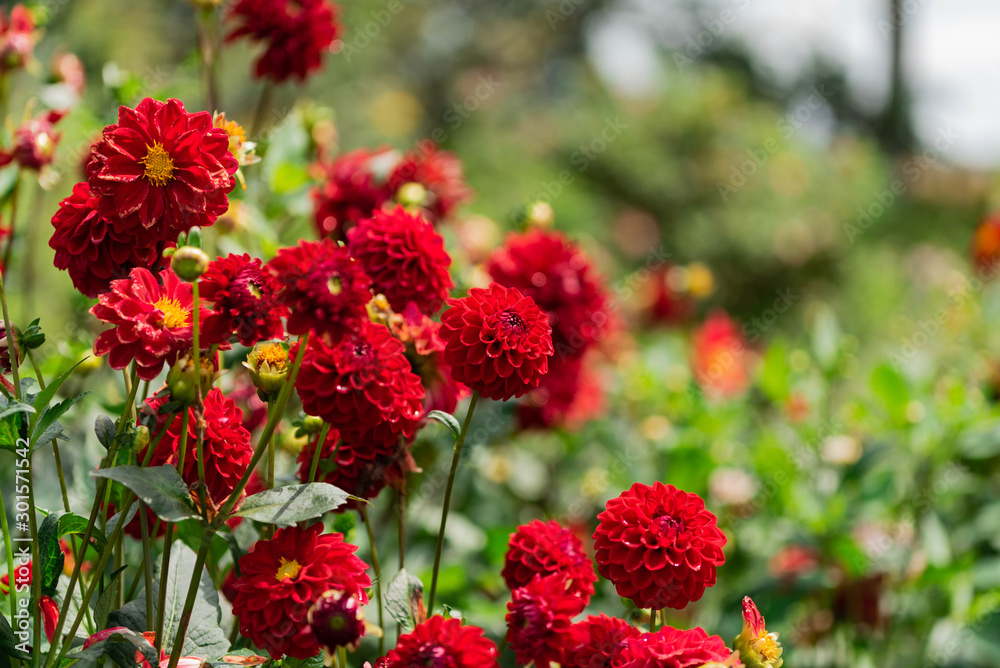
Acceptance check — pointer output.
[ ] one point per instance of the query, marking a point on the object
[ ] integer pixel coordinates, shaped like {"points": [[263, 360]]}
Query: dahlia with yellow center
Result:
{"points": [[174, 315], [287, 570], [159, 166]]}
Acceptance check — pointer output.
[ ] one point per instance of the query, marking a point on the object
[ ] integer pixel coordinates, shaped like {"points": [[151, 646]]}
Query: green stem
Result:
{"points": [[36, 582], [314, 466], [206, 541], [459, 442], [147, 565], [378, 575], [9, 553], [168, 537], [199, 406], [401, 512], [11, 345], [13, 220], [342, 653], [653, 623]]}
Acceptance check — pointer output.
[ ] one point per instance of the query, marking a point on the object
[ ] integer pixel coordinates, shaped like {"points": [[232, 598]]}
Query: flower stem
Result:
{"points": [[147, 565], [11, 345], [9, 553], [266, 93], [378, 576], [314, 465], [199, 565], [459, 442], [199, 405], [13, 221], [168, 538], [401, 513], [653, 624]]}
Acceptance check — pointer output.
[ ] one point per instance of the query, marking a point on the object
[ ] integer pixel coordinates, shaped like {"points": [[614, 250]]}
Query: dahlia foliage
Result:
{"points": [[272, 393]]}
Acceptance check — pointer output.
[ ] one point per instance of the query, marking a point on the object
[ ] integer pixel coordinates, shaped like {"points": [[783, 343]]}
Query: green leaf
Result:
{"points": [[891, 389], [51, 555], [8, 643], [159, 487], [205, 637], [291, 504], [9, 428], [16, 407], [448, 420], [311, 662], [43, 398], [49, 418], [404, 600], [105, 429], [102, 610], [774, 372]]}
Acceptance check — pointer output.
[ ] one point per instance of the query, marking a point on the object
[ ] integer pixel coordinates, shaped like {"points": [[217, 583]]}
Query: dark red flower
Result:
{"points": [[497, 341], [22, 575], [672, 648], [596, 642], [296, 34], [361, 383], [35, 141], [720, 360], [50, 616], [539, 616], [659, 546], [405, 258], [244, 301], [542, 548], [440, 172], [442, 643], [171, 168], [569, 395], [226, 446], [325, 288], [87, 246], [361, 466], [152, 323], [545, 266], [17, 38], [281, 578], [351, 190], [337, 620]]}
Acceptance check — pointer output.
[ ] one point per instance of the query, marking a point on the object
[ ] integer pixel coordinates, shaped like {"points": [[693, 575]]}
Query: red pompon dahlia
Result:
{"points": [[36, 139], [281, 578], [659, 546], [244, 301], [152, 322], [325, 288], [405, 258], [439, 172], [539, 617], [720, 360], [556, 274], [351, 190], [497, 341], [171, 168], [361, 466], [672, 648], [570, 395], [360, 383], [88, 248], [296, 34], [596, 642], [442, 643], [544, 548], [226, 445]]}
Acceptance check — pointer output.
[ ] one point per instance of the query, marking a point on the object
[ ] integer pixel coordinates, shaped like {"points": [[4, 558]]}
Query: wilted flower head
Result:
{"points": [[35, 141], [337, 620]]}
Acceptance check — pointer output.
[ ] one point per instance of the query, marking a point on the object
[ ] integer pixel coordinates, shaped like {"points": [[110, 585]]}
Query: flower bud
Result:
{"points": [[312, 425], [757, 647], [189, 263], [140, 438], [181, 378], [337, 620], [269, 366], [411, 195], [5, 344]]}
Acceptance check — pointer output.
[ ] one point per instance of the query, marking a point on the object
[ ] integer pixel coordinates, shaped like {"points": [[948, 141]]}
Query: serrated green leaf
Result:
{"points": [[448, 420], [160, 487], [404, 600], [291, 504]]}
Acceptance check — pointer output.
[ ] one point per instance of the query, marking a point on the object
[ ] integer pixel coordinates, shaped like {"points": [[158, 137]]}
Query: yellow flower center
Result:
{"points": [[174, 315], [159, 165], [334, 285], [255, 290], [287, 570], [272, 354]]}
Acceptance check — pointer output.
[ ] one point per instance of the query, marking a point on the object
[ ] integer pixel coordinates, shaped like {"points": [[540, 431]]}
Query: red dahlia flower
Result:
{"points": [[405, 258], [326, 289], [442, 643], [281, 578], [497, 341], [296, 34], [170, 167], [337, 620], [152, 323], [545, 266], [361, 383], [539, 617], [351, 191], [719, 357], [87, 246], [35, 141], [568, 396], [659, 546], [439, 172], [543, 548], [672, 648], [596, 642], [244, 298]]}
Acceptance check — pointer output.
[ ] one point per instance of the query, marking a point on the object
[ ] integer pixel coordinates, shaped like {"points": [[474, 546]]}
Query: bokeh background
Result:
{"points": [[815, 170]]}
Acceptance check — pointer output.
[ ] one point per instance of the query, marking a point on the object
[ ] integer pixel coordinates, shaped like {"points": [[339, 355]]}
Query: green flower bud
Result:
{"points": [[181, 378], [189, 263]]}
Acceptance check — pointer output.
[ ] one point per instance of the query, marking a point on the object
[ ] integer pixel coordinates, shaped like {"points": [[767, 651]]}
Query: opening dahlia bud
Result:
{"points": [[181, 378], [757, 647], [269, 366], [337, 620], [411, 195], [189, 263], [5, 344]]}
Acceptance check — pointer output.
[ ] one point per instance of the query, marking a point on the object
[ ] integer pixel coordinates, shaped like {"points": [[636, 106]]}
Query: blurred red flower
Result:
{"points": [[439, 172], [442, 642], [719, 357], [543, 548]]}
